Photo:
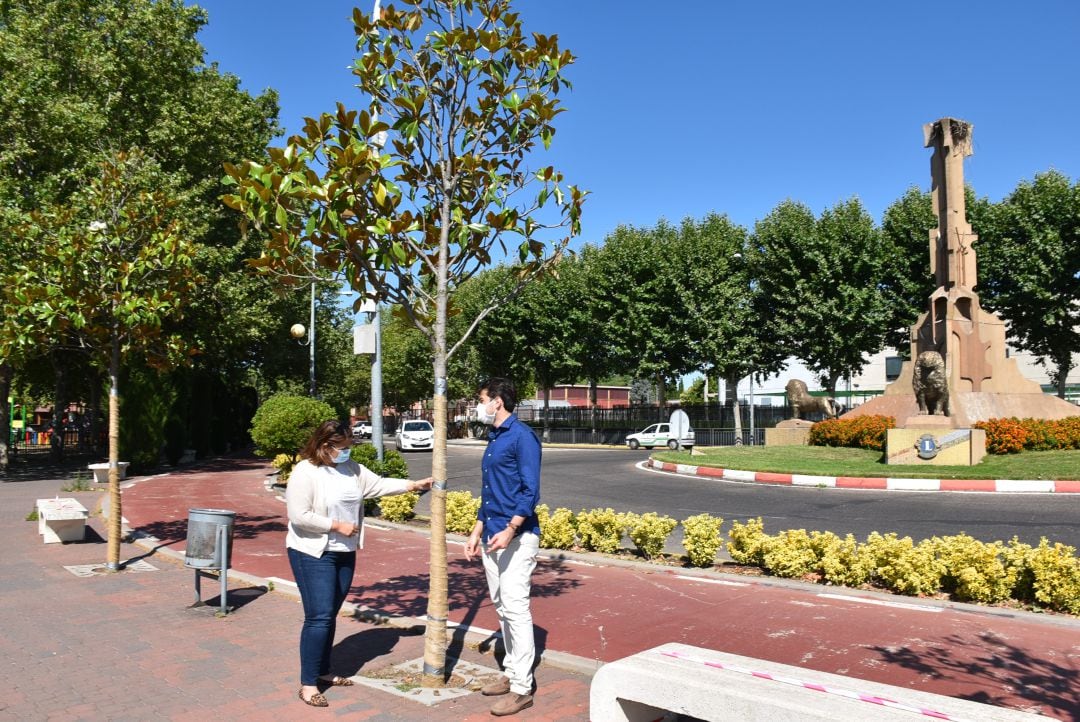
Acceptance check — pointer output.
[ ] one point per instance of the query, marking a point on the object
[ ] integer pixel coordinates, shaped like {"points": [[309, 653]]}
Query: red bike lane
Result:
{"points": [[602, 612]]}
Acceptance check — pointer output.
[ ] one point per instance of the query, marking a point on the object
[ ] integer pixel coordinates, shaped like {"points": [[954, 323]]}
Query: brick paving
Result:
{"points": [[130, 646]]}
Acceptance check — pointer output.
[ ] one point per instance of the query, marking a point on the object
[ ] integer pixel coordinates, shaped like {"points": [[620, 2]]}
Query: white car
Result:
{"points": [[413, 435], [361, 430], [659, 435]]}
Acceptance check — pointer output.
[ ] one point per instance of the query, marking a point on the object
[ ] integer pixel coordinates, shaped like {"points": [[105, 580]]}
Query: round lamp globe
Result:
{"points": [[297, 330]]}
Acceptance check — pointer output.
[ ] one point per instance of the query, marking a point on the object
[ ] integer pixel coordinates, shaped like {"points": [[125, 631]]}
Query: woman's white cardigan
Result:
{"points": [[305, 500]]}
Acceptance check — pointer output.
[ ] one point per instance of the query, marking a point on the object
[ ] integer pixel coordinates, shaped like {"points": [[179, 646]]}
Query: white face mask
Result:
{"points": [[482, 413], [343, 456]]}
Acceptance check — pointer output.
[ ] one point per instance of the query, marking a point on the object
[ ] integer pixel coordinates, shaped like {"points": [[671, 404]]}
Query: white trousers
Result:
{"points": [[509, 577]]}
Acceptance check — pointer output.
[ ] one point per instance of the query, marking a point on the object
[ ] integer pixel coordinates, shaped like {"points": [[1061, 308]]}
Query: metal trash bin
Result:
{"points": [[209, 545]]}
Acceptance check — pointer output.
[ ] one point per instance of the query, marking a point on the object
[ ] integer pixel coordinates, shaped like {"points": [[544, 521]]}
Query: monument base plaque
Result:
{"points": [[935, 446]]}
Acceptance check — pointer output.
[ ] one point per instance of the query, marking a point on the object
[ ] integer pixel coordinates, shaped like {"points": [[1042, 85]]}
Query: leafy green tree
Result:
{"points": [[1029, 258], [650, 337], [821, 285], [79, 80], [408, 217], [108, 270], [905, 230]]}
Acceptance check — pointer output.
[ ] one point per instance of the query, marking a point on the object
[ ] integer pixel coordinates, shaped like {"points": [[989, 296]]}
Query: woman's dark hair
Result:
{"points": [[502, 388], [323, 433]]}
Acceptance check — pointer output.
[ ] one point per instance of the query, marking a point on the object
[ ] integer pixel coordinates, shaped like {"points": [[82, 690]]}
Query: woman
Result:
{"points": [[325, 500]]}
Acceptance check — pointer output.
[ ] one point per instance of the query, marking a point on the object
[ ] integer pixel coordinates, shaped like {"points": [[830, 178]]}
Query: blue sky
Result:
{"points": [[679, 109]]}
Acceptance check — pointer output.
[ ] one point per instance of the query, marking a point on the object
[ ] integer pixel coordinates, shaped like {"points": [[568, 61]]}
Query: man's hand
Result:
{"points": [[472, 546], [501, 540]]}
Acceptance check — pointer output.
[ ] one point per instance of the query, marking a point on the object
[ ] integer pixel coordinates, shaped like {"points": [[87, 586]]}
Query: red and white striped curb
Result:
{"points": [[1014, 486], [850, 694]]}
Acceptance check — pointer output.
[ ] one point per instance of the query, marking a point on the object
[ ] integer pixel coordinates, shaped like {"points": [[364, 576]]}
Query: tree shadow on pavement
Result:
{"points": [[993, 664], [38, 466], [245, 527], [352, 653], [467, 593]]}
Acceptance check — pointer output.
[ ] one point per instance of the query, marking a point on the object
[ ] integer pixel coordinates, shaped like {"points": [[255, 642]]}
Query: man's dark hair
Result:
{"points": [[502, 388]]}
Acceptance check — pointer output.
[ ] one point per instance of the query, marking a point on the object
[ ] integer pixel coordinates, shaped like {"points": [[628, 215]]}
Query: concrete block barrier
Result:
{"points": [[711, 685]]}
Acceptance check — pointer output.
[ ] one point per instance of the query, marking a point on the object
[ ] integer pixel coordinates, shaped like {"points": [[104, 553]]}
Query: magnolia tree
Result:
{"points": [[414, 193], [109, 272]]}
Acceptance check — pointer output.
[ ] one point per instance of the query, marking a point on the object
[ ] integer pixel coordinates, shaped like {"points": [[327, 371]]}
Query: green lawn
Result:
{"points": [[830, 461]]}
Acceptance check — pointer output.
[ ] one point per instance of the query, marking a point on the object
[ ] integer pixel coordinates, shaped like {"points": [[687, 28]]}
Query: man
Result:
{"points": [[507, 536]]}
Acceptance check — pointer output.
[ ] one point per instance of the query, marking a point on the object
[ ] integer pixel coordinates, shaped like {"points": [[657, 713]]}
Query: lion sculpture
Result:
{"points": [[803, 403], [931, 384]]}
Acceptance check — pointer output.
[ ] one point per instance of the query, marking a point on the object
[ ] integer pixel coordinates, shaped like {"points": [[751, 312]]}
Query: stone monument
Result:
{"points": [[980, 381]]}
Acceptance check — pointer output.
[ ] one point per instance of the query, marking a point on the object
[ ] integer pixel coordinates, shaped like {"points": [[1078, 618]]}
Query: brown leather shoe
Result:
{"points": [[512, 705], [494, 689]]}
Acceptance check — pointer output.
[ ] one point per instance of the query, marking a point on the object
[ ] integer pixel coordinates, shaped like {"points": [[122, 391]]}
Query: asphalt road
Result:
{"points": [[590, 478]]}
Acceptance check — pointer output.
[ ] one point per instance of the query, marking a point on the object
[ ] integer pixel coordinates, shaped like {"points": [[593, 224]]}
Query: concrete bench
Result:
{"points": [[711, 685], [101, 471], [61, 520]]}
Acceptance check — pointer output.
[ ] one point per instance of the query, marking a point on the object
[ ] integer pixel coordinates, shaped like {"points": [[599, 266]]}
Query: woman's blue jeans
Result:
{"points": [[323, 581]]}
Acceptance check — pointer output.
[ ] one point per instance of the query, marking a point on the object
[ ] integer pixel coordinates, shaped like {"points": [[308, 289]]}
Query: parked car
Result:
{"points": [[412, 435], [361, 430], [659, 435]]}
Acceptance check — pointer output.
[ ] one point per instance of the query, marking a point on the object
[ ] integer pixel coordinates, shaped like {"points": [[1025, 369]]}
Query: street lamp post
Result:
{"points": [[298, 329]]}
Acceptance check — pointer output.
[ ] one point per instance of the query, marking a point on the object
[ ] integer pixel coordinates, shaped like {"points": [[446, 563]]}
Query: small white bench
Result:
{"points": [[61, 520], [101, 471], [711, 685]]}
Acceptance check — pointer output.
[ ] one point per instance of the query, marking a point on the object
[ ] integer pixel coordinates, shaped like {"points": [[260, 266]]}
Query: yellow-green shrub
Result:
{"points": [[788, 554], [284, 463], [844, 561], [461, 511], [1055, 573], [701, 539], [399, 507], [974, 571], [556, 530], [649, 532], [746, 540], [902, 566], [600, 530]]}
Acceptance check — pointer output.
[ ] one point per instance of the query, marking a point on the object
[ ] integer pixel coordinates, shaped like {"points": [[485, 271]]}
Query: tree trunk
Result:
{"points": [[661, 391], [113, 561], [60, 402], [731, 389], [547, 414], [438, 608], [95, 413], [592, 410], [1062, 366], [6, 373]]}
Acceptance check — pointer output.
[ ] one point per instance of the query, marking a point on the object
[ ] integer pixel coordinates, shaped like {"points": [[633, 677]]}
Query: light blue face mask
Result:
{"points": [[343, 456]]}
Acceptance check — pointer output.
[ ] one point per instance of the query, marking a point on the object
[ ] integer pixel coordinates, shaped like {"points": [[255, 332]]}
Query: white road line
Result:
{"points": [[723, 582], [878, 602]]}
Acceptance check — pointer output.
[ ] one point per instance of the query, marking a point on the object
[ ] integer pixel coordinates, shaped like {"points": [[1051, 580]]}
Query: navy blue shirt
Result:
{"points": [[510, 473]]}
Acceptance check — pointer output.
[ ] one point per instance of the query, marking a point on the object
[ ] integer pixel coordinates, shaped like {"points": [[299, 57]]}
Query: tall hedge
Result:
{"points": [[285, 422]]}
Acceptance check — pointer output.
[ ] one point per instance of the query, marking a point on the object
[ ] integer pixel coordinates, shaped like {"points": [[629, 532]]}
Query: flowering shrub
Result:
{"points": [[1013, 435], [862, 432], [1003, 436]]}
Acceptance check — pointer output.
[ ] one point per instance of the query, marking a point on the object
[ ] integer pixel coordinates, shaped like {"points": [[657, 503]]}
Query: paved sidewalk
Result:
{"points": [[129, 646], [181, 662]]}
